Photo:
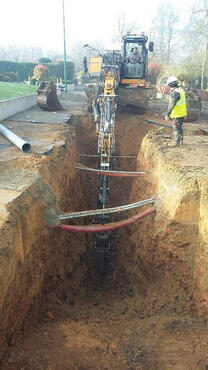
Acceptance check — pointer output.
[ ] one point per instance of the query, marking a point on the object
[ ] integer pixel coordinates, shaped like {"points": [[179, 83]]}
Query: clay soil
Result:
{"points": [[114, 324]]}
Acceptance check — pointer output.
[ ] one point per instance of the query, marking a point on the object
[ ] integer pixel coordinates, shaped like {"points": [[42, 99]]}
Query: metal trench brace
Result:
{"points": [[104, 108]]}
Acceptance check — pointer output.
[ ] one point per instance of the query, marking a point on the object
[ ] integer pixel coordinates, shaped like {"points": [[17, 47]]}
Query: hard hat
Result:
{"points": [[172, 80]]}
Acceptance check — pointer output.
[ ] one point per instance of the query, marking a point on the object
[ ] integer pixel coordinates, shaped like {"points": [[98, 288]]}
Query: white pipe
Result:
{"points": [[16, 140], [96, 212]]}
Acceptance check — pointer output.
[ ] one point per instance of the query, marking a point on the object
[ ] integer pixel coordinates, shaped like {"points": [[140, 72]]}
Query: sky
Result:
{"points": [[39, 22]]}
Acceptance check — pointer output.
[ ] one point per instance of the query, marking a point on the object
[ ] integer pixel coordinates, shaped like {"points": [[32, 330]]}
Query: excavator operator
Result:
{"points": [[135, 56]]}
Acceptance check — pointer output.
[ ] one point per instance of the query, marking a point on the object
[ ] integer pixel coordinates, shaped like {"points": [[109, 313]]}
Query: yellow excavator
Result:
{"points": [[117, 81], [130, 77]]}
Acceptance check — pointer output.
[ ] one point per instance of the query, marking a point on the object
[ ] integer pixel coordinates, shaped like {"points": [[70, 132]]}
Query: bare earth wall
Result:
{"points": [[33, 258], [171, 247]]}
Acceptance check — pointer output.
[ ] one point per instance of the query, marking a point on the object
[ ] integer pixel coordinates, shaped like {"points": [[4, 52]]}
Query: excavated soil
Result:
{"points": [[151, 312]]}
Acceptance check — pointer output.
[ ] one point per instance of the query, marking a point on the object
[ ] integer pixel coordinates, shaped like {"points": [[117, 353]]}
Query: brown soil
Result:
{"points": [[112, 329], [151, 312]]}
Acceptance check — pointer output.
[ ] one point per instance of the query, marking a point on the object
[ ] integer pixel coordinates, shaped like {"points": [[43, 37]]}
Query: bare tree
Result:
{"points": [[164, 31], [123, 26], [19, 53], [199, 21]]}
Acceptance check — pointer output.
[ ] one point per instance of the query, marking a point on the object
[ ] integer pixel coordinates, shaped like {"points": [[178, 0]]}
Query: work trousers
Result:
{"points": [[178, 130]]}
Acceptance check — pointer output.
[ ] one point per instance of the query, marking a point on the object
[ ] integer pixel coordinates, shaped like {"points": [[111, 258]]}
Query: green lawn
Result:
{"points": [[12, 90]]}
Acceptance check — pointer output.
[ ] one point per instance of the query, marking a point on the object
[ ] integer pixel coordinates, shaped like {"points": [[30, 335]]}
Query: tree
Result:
{"points": [[199, 22], [22, 53], [164, 31], [39, 72], [124, 26], [45, 60]]}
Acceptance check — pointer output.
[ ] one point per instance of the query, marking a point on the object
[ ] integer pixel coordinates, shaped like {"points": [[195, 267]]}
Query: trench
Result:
{"points": [[143, 316], [129, 135]]}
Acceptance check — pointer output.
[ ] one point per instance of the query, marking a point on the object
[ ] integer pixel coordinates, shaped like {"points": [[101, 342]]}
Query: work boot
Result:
{"points": [[176, 144]]}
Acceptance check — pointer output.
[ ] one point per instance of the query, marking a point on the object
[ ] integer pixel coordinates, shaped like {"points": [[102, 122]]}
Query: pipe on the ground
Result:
{"points": [[16, 140], [106, 227]]}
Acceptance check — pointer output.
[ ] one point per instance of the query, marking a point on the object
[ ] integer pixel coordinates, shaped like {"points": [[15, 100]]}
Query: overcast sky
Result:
{"points": [[39, 22]]}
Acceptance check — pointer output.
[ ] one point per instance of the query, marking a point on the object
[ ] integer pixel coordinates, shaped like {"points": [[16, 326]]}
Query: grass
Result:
{"points": [[12, 90]]}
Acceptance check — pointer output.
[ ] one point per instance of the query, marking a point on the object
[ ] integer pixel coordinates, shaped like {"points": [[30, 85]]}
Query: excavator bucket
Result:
{"points": [[133, 97], [47, 98], [127, 96], [194, 104], [91, 91]]}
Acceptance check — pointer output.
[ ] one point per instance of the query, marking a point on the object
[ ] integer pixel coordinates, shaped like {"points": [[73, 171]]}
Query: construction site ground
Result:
{"points": [[151, 312]]}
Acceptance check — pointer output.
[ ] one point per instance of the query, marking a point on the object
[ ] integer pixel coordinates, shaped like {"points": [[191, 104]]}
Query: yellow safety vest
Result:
{"points": [[180, 109]]}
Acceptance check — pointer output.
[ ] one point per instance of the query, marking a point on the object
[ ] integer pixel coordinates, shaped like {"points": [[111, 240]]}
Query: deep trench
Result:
{"points": [[129, 135], [127, 321]]}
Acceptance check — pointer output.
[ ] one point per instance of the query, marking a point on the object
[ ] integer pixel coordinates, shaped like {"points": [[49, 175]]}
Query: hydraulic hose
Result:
{"points": [[108, 110], [95, 112]]}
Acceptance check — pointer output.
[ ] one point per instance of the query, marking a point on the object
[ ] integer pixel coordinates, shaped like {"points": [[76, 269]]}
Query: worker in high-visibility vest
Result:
{"points": [[177, 109]]}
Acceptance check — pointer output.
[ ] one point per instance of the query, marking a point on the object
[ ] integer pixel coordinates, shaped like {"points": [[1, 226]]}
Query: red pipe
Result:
{"points": [[107, 227]]}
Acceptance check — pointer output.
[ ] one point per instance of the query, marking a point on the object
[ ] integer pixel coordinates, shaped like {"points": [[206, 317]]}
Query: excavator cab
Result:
{"points": [[134, 65], [130, 73], [133, 88]]}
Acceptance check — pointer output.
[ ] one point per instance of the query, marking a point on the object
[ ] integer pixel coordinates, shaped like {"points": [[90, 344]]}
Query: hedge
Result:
{"points": [[57, 69], [23, 70]]}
